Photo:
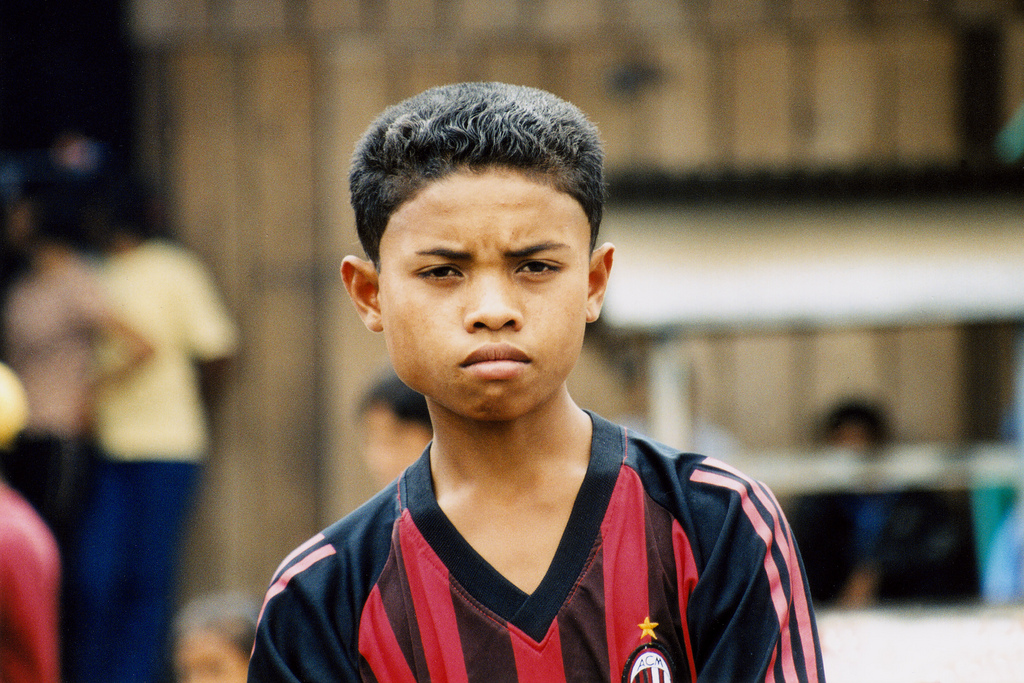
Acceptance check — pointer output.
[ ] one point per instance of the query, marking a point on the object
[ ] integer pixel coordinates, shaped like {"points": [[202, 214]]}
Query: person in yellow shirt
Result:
{"points": [[153, 438]]}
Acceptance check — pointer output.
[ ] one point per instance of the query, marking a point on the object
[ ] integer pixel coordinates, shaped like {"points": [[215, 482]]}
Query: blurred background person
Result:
{"points": [[29, 566], [213, 638], [1003, 578], [53, 317], [153, 435], [862, 546], [397, 428]]}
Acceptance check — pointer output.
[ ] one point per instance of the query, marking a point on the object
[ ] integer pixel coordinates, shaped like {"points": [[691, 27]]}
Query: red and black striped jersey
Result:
{"points": [[673, 567]]}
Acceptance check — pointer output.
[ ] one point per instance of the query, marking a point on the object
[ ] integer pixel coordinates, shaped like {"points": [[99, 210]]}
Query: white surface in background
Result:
{"points": [[819, 265], [935, 467], [925, 645]]}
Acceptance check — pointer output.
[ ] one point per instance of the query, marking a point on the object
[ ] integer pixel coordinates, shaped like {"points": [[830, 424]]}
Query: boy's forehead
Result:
{"points": [[485, 205], [490, 175]]}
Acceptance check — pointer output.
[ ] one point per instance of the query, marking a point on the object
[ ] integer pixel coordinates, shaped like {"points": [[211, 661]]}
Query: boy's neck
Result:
{"points": [[509, 453], [509, 487]]}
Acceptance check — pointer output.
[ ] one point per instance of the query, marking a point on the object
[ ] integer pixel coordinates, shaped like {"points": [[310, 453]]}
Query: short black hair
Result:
{"points": [[390, 392], [473, 126]]}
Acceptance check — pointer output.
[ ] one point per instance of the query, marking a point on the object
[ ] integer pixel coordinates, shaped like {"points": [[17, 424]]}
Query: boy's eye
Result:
{"points": [[439, 272], [535, 267]]}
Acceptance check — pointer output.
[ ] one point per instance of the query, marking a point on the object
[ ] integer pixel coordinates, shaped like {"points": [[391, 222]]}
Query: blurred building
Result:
{"points": [[807, 134]]}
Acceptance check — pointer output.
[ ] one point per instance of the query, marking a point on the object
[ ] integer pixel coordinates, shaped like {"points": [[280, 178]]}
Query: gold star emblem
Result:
{"points": [[647, 627]]}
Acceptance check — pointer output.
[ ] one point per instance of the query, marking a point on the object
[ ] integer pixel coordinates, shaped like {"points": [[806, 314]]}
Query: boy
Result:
{"points": [[532, 541]]}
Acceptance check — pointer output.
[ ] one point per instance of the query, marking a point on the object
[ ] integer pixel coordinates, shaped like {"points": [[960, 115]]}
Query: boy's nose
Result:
{"points": [[493, 306]]}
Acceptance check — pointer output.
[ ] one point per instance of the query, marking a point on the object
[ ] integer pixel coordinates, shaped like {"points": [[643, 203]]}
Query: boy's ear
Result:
{"points": [[600, 269], [363, 285]]}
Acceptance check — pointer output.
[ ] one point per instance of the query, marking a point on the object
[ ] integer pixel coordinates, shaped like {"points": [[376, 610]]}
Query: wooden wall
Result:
{"points": [[939, 383], [248, 110]]}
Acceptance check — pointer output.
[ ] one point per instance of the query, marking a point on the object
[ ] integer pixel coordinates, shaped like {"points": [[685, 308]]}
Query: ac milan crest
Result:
{"points": [[649, 663]]}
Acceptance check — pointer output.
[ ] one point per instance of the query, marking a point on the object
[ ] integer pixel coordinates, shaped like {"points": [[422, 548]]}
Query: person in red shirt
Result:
{"points": [[30, 572]]}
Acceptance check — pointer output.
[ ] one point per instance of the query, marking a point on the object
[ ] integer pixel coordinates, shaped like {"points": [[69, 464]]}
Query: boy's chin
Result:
{"points": [[503, 410]]}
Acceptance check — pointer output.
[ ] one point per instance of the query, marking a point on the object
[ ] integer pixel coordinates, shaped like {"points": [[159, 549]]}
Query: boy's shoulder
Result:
{"points": [[348, 555], [702, 493], [664, 469], [321, 587], [699, 492]]}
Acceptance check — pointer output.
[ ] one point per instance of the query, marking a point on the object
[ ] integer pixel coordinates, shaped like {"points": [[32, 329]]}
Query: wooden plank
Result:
{"points": [[584, 79], [680, 108], [1013, 69], [202, 88], [155, 21], [928, 395], [332, 15], [279, 135], [204, 153], [280, 438], [968, 11], [251, 17], [521, 63], [733, 14], [656, 18], [923, 62], [411, 16], [844, 99], [487, 17], [844, 364], [900, 10], [280, 384], [419, 66], [765, 390], [761, 89], [569, 18], [713, 380], [830, 12], [351, 94]]}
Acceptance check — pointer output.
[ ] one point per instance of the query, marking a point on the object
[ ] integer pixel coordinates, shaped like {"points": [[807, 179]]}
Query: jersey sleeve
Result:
{"points": [[750, 612], [308, 627], [298, 638]]}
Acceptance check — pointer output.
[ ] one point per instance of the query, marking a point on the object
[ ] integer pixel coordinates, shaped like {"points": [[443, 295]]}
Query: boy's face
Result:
{"points": [[485, 287]]}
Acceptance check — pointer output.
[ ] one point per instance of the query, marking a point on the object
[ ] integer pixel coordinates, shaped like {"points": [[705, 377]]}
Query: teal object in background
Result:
{"points": [[1009, 142]]}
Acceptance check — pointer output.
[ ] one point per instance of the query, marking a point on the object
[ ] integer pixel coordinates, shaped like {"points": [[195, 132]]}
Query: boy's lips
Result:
{"points": [[496, 361], [496, 352]]}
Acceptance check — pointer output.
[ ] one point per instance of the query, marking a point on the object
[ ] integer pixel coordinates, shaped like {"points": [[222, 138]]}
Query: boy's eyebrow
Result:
{"points": [[525, 252], [450, 254]]}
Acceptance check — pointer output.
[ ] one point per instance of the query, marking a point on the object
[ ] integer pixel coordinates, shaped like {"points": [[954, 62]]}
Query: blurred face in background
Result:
{"points": [[208, 657], [392, 444], [856, 436]]}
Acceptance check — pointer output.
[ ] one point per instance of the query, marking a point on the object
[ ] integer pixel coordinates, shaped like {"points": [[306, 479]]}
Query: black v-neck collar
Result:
{"points": [[531, 613]]}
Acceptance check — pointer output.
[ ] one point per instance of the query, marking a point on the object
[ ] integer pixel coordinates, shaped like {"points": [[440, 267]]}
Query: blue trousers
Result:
{"points": [[121, 579]]}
